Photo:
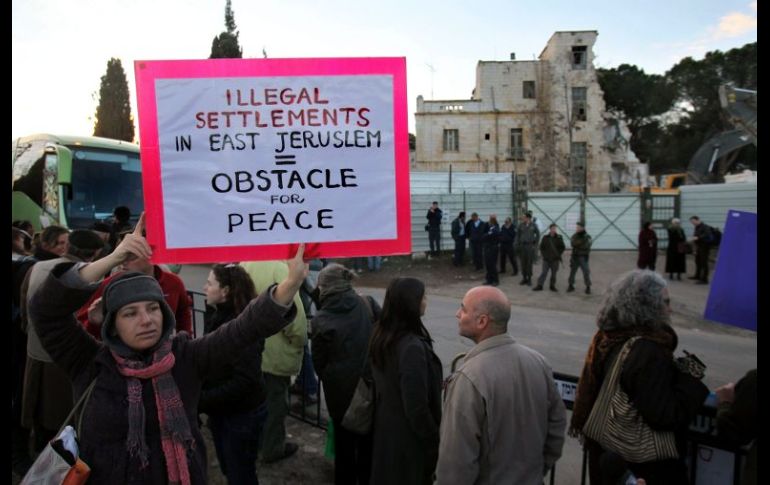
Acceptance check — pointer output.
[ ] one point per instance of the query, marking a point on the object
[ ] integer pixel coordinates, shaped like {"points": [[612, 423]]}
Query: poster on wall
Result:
{"points": [[242, 159]]}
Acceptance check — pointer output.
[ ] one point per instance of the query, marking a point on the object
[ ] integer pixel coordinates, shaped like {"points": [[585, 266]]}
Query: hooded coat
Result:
{"points": [[341, 331]]}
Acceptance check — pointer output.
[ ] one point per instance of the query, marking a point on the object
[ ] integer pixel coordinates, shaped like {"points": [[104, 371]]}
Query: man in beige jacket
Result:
{"points": [[503, 419]]}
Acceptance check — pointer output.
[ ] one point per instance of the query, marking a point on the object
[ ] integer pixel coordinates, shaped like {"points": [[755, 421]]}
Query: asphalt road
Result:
{"points": [[562, 337]]}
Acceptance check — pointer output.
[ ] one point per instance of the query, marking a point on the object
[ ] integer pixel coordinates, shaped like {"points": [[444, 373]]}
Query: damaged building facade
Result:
{"points": [[544, 119]]}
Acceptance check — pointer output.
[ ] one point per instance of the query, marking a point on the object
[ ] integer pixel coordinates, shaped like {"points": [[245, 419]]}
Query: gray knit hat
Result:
{"points": [[129, 288], [334, 278]]}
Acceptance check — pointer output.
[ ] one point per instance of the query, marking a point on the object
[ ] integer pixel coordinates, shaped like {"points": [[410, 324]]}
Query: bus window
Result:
{"points": [[101, 181]]}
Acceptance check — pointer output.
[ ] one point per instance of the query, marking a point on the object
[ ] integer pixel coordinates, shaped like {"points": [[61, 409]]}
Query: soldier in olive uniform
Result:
{"points": [[527, 236], [581, 248]]}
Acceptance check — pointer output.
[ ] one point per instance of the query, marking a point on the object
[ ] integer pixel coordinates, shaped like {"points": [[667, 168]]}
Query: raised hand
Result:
{"points": [[133, 245], [95, 315], [298, 268], [298, 271]]}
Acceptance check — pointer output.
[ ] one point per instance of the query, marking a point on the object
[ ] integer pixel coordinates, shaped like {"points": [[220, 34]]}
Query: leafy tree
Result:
{"points": [[671, 116], [225, 45], [641, 98], [113, 114], [697, 86]]}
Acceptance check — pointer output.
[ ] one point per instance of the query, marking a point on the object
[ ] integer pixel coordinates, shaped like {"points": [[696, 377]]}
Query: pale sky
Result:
{"points": [[60, 49]]}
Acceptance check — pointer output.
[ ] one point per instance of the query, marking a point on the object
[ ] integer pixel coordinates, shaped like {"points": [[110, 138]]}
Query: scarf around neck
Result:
{"points": [[602, 346], [176, 438]]}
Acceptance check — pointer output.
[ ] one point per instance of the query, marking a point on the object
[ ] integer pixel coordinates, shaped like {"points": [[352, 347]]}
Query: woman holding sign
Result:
{"points": [[140, 423]]}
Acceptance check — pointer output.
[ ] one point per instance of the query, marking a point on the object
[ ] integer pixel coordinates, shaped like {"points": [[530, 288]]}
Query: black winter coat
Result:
{"points": [[105, 415], [407, 414], [341, 331], [676, 262], [492, 237], [237, 387], [551, 247], [666, 398], [507, 234]]}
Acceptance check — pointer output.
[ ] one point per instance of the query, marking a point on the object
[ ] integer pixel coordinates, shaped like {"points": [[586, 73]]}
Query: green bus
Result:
{"points": [[73, 181]]}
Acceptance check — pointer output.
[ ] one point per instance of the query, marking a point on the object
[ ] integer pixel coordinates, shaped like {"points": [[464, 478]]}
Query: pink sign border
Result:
{"points": [[148, 71]]}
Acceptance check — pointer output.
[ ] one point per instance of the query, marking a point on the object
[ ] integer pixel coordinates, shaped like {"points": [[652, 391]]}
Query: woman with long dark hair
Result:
{"points": [[233, 397], [407, 382]]}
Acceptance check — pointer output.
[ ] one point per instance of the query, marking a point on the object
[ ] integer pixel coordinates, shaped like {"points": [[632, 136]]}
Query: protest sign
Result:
{"points": [[244, 158]]}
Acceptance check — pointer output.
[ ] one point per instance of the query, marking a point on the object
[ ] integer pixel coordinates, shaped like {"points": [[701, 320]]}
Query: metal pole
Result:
{"points": [[450, 178]]}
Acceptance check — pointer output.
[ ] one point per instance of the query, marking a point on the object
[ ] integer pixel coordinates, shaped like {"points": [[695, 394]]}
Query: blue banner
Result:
{"points": [[733, 296]]}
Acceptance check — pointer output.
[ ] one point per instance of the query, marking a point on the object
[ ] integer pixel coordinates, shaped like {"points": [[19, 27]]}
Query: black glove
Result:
{"points": [[691, 364]]}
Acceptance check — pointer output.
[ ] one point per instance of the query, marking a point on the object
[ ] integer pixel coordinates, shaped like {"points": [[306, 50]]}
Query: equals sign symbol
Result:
{"points": [[285, 159]]}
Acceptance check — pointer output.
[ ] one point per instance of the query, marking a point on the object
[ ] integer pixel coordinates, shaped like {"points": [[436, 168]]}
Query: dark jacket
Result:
{"points": [[341, 331], [676, 261], [648, 248], [434, 218], [475, 233], [507, 234], [581, 244], [105, 415], [237, 387], [491, 237], [666, 398], [551, 247], [703, 233], [456, 225], [407, 414]]}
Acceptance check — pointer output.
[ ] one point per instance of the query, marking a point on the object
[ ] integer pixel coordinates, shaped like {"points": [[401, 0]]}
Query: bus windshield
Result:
{"points": [[102, 180]]}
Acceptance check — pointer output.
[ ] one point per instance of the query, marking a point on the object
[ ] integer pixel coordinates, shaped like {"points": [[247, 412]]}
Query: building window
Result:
{"points": [[528, 89], [579, 103], [579, 56], [516, 151], [578, 158], [451, 141]]}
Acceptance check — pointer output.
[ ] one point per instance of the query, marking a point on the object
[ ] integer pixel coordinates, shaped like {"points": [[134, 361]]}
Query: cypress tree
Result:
{"points": [[225, 45], [113, 114]]}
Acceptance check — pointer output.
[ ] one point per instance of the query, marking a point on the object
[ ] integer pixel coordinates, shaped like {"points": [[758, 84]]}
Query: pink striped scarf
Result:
{"points": [[175, 434]]}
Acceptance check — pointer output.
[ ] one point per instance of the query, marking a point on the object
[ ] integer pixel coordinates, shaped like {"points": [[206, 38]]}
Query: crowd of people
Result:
{"points": [[91, 315], [492, 246]]}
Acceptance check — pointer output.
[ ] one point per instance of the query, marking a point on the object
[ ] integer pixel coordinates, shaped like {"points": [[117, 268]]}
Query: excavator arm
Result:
{"points": [[741, 106]]}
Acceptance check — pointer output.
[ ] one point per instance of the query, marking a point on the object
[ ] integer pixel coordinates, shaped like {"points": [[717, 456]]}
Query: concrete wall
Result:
{"points": [[711, 202]]}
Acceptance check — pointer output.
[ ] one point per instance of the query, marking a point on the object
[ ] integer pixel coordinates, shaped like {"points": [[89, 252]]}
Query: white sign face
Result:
{"points": [[272, 160]]}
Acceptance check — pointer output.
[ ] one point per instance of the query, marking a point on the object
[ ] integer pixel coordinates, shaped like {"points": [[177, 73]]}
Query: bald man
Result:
{"points": [[503, 419]]}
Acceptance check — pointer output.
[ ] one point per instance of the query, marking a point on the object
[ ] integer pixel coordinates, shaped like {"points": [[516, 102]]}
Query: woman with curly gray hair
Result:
{"points": [[663, 390]]}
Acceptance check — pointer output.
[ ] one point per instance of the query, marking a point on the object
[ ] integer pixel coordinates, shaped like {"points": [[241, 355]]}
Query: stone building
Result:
{"points": [[542, 118]]}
